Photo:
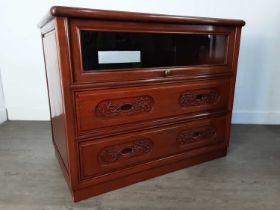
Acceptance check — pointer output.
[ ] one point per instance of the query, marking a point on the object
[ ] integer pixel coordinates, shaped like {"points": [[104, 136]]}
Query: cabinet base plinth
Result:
{"points": [[144, 175]]}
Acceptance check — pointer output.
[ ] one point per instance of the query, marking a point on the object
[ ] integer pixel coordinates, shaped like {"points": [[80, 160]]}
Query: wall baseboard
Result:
{"points": [[238, 117], [256, 117], [3, 115], [32, 113]]}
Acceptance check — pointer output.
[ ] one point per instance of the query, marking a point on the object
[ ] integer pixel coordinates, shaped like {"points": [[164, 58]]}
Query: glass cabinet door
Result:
{"points": [[103, 50]]}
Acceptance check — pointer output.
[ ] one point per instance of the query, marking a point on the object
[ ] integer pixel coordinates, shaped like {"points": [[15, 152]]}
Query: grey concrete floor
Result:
{"points": [[248, 178]]}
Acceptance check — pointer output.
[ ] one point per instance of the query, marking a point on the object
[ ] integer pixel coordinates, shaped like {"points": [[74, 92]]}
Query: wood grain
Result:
{"points": [[112, 128], [86, 13], [164, 102]]}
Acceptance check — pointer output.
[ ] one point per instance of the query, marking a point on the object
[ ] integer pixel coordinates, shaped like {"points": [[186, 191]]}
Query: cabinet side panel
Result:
{"points": [[55, 95]]}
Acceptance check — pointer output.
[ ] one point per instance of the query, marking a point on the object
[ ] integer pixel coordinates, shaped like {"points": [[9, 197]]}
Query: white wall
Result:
{"points": [[257, 96], [3, 113]]}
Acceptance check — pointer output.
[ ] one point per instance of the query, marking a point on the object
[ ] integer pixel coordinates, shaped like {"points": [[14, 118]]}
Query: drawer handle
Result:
{"points": [[198, 98], [125, 151], [124, 106], [199, 134]]}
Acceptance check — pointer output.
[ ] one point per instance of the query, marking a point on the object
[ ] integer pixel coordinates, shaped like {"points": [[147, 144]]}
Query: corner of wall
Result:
{"points": [[3, 110], [3, 115]]}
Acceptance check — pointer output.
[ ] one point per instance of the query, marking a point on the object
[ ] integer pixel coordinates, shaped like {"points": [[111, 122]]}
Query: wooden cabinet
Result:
{"points": [[133, 96]]}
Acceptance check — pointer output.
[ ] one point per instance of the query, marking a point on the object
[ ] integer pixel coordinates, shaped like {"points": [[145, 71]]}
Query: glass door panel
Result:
{"points": [[102, 50]]}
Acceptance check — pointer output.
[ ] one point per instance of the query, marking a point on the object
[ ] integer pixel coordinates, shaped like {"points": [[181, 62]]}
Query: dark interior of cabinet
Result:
{"points": [[154, 49]]}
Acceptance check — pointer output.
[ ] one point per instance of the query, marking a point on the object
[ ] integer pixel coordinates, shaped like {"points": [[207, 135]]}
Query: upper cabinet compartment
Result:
{"points": [[114, 51], [105, 50]]}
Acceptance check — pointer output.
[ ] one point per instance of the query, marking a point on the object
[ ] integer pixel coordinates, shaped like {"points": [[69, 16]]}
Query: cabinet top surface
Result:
{"points": [[85, 13]]}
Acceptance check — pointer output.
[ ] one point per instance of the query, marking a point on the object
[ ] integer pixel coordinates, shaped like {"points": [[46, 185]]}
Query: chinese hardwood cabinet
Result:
{"points": [[134, 96]]}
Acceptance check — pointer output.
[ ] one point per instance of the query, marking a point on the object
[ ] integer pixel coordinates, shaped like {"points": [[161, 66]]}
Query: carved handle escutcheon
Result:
{"points": [[124, 106], [124, 151], [199, 134], [199, 97]]}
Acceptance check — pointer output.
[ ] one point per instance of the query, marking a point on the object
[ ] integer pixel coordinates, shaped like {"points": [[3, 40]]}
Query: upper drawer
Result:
{"points": [[133, 51], [115, 107]]}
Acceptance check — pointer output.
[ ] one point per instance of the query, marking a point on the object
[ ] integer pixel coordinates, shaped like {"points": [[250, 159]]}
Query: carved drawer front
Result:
{"points": [[102, 156], [115, 107]]}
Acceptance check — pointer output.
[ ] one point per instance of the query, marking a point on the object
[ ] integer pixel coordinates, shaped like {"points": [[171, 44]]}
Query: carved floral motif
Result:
{"points": [[199, 134], [197, 98], [125, 106], [129, 150]]}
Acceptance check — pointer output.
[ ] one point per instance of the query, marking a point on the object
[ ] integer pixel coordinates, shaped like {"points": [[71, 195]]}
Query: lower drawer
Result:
{"points": [[98, 157]]}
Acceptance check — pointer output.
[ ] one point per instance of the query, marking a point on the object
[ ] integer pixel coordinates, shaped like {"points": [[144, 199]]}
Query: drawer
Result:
{"points": [[102, 156], [117, 107]]}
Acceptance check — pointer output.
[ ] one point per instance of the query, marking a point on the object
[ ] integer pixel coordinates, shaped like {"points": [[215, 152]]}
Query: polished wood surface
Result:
{"points": [[59, 11], [76, 25], [97, 109], [55, 95], [115, 127], [107, 155]]}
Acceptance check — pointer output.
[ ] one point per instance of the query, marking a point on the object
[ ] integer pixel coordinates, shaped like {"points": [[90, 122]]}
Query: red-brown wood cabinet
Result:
{"points": [[134, 96]]}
